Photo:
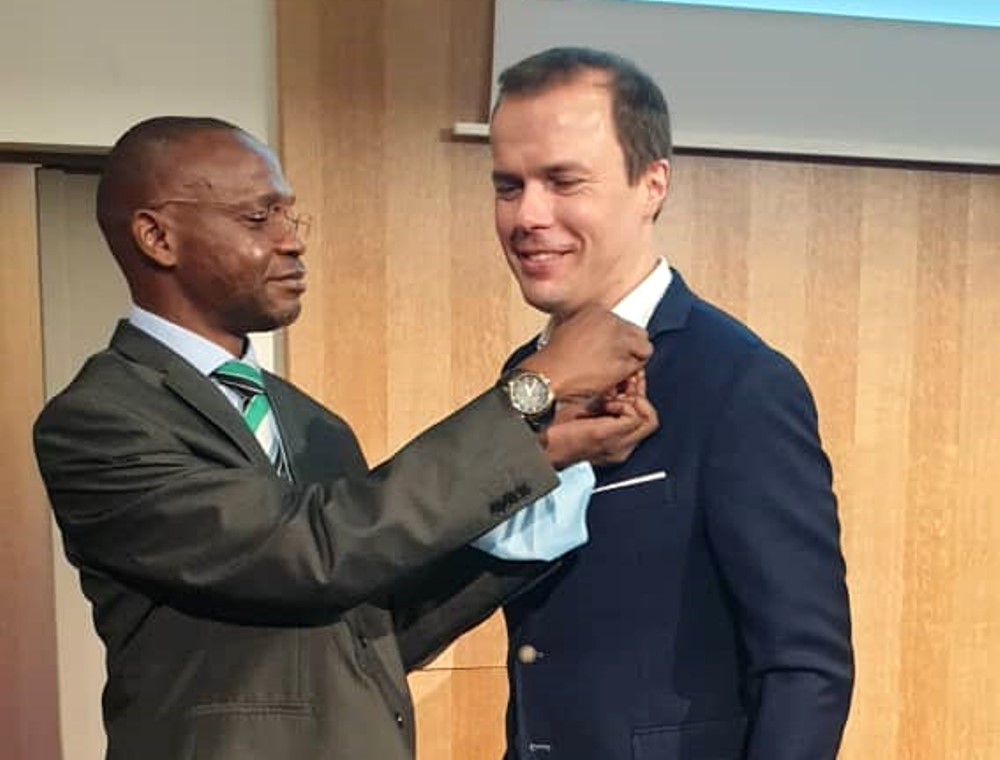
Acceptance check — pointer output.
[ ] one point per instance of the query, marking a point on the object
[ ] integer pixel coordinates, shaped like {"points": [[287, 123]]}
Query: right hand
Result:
{"points": [[590, 353]]}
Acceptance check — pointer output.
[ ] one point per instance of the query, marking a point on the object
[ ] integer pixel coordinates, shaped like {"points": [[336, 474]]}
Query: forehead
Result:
{"points": [[222, 166], [564, 122]]}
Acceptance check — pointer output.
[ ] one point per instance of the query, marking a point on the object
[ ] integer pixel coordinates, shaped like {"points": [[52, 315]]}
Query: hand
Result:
{"points": [[604, 433], [590, 352]]}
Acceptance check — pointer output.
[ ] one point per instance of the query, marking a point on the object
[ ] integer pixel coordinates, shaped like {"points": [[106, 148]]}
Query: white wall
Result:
{"points": [[83, 295], [77, 73], [789, 82]]}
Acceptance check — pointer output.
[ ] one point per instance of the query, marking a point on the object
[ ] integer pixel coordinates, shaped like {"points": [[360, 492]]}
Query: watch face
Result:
{"points": [[529, 394]]}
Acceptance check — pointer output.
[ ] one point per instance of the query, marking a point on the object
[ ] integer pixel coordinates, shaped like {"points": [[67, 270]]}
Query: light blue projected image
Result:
{"points": [[970, 12]]}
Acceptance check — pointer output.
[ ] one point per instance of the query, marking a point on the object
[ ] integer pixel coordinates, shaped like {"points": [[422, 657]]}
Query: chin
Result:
{"points": [[276, 319], [544, 305], [288, 316], [538, 298]]}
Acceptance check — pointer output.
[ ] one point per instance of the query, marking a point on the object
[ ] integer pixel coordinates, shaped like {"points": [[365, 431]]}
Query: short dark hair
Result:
{"points": [[641, 116], [129, 164]]}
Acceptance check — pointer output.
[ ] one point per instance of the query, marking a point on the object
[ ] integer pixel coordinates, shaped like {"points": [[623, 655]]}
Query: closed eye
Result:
{"points": [[257, 217], [505, 186], [507, 192], [566, 184], [260, 216]]}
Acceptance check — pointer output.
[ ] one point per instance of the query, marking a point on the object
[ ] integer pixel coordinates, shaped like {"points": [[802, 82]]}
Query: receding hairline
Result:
{"points": [[136, 161], [639, 108], [548, 68]]}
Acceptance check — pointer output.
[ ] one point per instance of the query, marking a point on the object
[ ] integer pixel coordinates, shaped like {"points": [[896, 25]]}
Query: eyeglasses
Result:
{"points": [[276, 220]]}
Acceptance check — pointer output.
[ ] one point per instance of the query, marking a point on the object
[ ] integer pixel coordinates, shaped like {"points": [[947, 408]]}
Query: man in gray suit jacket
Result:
{"points": [[259, 591]]}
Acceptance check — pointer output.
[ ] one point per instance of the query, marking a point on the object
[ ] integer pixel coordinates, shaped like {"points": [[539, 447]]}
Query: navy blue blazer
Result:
{"points": [[707, 618]]}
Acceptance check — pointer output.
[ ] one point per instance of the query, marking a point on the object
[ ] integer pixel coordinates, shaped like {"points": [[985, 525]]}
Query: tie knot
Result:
{"points": [[241, 376]]}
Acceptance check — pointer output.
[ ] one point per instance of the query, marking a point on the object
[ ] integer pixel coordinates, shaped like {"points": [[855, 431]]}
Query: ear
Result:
{"points": [[656, 182], [150, 231]]}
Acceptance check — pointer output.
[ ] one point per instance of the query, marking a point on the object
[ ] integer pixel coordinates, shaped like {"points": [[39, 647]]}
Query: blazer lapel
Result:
{"points": [[672, 312], [189, 385]]}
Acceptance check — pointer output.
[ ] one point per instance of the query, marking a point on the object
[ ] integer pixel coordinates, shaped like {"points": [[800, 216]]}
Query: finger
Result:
{"points": [[620, 407], [644, 408], [640, 383], [571, 409], [608, 432], [642, 348], [621, 426], [629, 386], [634, 437]]}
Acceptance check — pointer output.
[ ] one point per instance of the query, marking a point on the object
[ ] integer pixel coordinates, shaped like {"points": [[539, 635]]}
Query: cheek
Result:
{"points": [[239, 274], [579, 218], [201, 269], [503, 221], [614, 221], [248, 263]]}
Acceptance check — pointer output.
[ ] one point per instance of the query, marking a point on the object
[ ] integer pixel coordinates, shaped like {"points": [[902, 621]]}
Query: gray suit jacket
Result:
{"points": [[245, 616]]}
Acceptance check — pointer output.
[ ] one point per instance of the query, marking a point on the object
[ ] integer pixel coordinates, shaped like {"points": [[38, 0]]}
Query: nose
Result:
{"points": [[291, 243], [294, 231], [534, 207], [293, 246]]}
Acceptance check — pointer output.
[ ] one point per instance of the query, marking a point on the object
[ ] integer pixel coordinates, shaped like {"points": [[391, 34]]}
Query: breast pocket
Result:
{"points": [[654, 486], [632, 515]]}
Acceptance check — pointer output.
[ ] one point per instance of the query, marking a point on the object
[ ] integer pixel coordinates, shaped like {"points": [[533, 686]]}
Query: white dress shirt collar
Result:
{"points": [[205, 355], [639, 303]]}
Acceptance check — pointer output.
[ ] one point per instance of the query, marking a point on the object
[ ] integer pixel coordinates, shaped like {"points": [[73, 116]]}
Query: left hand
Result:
{"points": [[604, 431]]}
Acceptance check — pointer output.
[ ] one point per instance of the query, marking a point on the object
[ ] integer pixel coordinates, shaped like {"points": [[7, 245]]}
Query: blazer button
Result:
{"points": [[527, 654], [399, 720]]}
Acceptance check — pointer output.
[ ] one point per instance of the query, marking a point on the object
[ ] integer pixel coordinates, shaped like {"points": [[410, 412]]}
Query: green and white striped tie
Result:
{"points": [[249, 383]]}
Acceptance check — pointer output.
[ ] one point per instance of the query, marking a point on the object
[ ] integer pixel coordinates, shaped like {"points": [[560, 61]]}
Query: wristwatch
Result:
{"points": [[530, 395]]}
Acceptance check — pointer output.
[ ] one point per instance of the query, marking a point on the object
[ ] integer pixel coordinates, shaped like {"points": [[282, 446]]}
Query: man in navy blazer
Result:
{"points": [[707, 618]]}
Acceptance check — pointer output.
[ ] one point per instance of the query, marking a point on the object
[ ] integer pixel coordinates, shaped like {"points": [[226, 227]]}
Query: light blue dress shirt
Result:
{"points": [[544, 530]]}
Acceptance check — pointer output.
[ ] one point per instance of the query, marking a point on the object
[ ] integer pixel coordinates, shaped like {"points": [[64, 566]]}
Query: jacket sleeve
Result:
{"points": [[432, 608], [136, 500], [453, 595], [772, 521]]}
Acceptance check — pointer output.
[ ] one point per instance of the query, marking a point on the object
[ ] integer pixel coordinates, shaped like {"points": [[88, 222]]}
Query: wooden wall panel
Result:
{"points": [[882, 283], [456, 710], [410, 309], [29, 707]]}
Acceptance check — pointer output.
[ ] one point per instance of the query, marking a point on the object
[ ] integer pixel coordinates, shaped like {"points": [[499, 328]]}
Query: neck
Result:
{"points": [[235, 345], [615, 292]]}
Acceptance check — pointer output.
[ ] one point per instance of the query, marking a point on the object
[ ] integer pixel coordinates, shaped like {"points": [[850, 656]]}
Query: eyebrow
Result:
{"points": [[565, 166], [505, 177], [559, 168], [269, 199]]}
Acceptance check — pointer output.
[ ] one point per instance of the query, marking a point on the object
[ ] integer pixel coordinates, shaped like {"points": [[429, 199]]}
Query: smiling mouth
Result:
{"points": [[539, 262], [540, 255]]}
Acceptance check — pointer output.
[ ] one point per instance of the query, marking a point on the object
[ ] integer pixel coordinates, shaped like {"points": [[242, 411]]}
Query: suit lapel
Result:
{"points": [[189, 385], [672, 312], [670, 315]]}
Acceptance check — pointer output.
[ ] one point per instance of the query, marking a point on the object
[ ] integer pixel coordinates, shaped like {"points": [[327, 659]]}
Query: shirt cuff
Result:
{"points": [[549, 527]]}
